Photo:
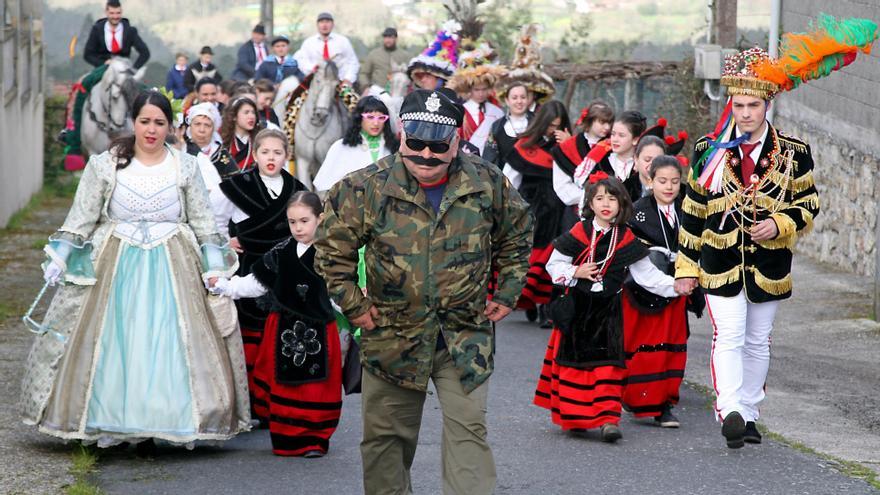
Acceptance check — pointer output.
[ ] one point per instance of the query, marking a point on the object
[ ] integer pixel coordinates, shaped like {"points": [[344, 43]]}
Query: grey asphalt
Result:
{"points": [[532, 455]]}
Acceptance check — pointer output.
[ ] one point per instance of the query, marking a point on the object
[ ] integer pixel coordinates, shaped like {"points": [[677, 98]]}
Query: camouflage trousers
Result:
{"points": [[392, 417]]}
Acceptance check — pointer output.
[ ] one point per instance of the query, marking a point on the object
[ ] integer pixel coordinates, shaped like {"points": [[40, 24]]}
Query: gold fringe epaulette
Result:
{"points": [[771, 286], [710, 281], [790, 144], [803, 183], [702, 145], [808, 201], [720, 241], [689, 240], [691, 207]]}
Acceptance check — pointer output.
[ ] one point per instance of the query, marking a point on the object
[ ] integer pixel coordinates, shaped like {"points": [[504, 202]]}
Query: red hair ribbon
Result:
{"points": [[598, 176], [583, 117]]}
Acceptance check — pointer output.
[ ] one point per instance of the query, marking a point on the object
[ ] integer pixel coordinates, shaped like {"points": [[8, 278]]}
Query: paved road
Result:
{"points": [[532, 455]]}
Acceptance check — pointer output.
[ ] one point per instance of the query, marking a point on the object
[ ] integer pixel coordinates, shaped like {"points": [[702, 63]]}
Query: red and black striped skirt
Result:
{"points": [[656, 354], [579, 398], [251, 339], [303, 417], [539, 285]]}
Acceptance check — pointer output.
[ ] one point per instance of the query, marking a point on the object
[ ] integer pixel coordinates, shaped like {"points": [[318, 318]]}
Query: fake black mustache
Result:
{"points": [[428, 162]]}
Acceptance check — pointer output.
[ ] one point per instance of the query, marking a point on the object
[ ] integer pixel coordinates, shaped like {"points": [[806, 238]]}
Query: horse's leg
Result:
{"points": [[303, 171]]}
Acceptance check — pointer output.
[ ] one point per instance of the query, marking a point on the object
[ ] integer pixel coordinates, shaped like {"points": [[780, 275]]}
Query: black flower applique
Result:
{"points": [[299, 342]]}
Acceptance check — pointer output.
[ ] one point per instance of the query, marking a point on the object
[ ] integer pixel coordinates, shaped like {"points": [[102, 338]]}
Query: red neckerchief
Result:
{"points": [[535, 155]]}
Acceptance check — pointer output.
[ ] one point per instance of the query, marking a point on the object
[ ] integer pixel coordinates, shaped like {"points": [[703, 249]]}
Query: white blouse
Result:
{"points": [[342, 160], [145, 203], [564, 185], [648, 276]]}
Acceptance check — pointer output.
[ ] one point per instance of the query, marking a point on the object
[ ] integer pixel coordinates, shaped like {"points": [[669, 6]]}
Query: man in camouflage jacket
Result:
{"points": [[434, 223]]}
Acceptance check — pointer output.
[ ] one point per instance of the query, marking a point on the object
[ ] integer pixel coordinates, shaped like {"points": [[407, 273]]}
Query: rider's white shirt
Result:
{"points": [[108, 36], [311, 53]]}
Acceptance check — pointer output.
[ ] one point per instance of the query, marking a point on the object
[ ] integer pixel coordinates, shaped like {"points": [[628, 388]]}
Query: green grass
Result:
{"points": [[848, 468], [84, 462]]}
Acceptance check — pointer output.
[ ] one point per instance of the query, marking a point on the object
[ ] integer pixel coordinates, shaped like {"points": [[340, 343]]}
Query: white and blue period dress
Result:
{"points": [[136, 348]]}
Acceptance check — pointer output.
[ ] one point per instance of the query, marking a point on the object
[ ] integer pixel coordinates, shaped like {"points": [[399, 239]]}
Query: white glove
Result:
{"points": [[220, 286], [53, 273]]}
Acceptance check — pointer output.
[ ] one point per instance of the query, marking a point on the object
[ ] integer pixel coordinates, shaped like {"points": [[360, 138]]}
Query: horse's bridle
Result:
{"points": [[111, 126]]}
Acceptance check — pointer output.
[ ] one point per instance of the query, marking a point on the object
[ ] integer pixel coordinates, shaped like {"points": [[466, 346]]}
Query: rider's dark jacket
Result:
{"points": [[96, 51]]}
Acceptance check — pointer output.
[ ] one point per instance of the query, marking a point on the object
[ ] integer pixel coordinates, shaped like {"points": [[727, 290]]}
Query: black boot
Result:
{"points": [[543, 320], [146, 449], [532, 314], [752, 435]]}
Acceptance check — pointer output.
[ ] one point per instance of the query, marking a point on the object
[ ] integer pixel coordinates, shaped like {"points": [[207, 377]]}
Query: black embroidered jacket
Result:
{"points": [[714, 243]]}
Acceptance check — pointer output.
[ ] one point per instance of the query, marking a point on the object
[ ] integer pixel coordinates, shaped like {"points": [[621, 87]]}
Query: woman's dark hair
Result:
{"points": [[123, 147], [664, 161], [227, 86], [650, 140], [264, 86], [614, 187], [370, 104], [227, 128], [203, 81], [537, 128], [596, 110], [634, 121], [308, 199]]}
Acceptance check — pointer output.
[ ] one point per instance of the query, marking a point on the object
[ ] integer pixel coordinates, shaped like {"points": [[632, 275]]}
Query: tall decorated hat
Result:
{"points": [[440, 58], [831, 44], [526, 68], [476, 66]]}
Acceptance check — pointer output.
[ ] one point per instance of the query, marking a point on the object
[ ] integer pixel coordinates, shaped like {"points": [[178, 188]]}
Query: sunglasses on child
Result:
{"points": [[375, 116], [435, 146]]}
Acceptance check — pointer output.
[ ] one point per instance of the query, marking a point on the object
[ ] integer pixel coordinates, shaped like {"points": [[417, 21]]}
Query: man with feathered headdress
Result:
{"points": [[435, 65], [526, 69], [751, 195]]}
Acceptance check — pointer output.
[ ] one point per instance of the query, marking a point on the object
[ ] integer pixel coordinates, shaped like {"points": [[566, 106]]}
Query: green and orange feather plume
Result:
{"points": [[830, 45]]}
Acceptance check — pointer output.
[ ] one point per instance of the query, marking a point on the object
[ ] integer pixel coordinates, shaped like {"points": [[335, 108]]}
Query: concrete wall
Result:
{"points": [[839, 116], [21, 105]]}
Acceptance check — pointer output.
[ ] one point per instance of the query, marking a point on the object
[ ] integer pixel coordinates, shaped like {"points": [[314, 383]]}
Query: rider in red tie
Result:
{"points": [[326, 46], [112, 36]]}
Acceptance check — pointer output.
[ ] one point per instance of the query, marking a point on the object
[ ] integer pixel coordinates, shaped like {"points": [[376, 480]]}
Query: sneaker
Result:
{"points": [[313, 454], [610, 433], [733, 429], [667, 419], [752, 435]]}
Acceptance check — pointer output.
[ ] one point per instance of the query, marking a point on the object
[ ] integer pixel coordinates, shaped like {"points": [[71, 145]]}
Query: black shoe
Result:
{"points": [[733, 429], [667, 419], [146, 449], [313, 454], [752, 435], [543, 320], [532, 314], [610, 433], [62, 136]]}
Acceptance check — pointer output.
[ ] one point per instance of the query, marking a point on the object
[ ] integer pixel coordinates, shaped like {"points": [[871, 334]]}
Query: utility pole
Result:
{"points": [[267, 16], [724, 28]]}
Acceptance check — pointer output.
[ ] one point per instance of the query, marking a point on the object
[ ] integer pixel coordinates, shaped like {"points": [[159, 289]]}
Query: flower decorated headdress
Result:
{"points": [[176, 105], [440, 58], [526, 68], [831, 44]]}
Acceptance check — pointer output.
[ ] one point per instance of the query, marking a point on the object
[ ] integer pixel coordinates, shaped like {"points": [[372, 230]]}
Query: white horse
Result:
{"points": [[398, 87], [321, 122], [107, 107], [282, 95]]}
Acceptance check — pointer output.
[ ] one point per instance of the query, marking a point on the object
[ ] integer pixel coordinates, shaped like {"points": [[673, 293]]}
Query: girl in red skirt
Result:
{"points": [[529, 167], [583, 375], [298, 369], [655, 328]]}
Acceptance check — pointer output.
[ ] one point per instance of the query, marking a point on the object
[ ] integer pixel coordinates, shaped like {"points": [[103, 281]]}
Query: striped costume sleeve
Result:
{"points": [[798, 217], [693, 219]]}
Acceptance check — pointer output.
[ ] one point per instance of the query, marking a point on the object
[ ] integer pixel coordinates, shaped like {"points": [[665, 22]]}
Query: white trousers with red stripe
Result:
{"points": [[740, 353]]}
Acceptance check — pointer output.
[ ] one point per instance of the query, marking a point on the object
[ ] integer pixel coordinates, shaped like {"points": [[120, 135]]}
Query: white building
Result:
{"points": [[22, 88]]}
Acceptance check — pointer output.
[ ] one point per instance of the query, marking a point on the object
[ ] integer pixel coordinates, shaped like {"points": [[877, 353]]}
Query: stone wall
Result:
{"points": [[839, 116]]}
